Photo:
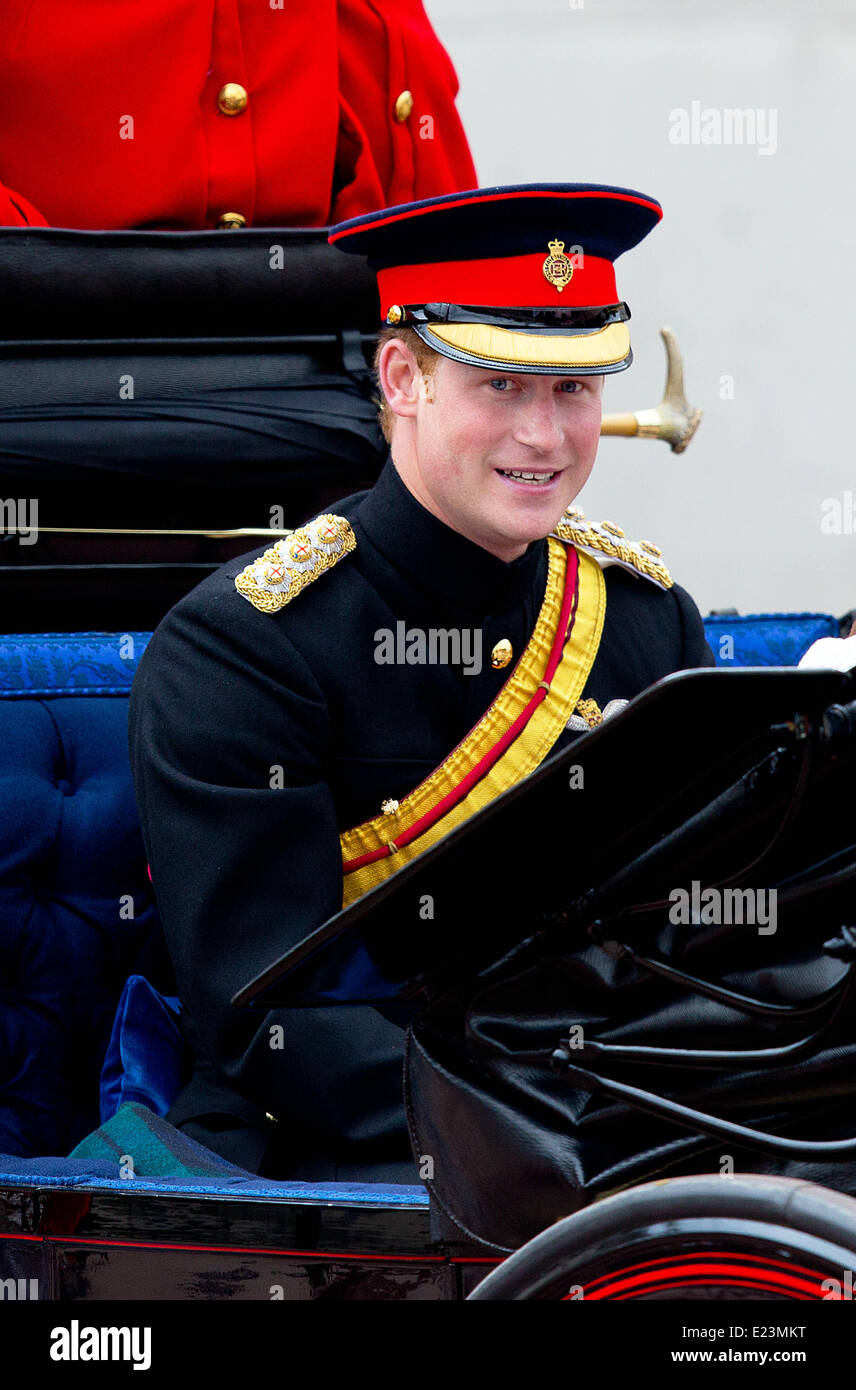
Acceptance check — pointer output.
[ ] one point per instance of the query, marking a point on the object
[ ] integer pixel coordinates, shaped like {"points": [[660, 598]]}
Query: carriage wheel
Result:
{"points": [[740, 1237]]}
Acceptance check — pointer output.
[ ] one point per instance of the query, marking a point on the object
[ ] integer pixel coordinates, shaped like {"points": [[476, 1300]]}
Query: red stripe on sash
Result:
{"points": [[483, 766]]}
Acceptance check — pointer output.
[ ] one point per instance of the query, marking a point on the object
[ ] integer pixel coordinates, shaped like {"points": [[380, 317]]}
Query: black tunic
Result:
{"points": [[256, 738]]}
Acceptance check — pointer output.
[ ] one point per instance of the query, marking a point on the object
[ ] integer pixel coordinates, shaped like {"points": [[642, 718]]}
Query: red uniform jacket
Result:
{"points": [[110, 114]]}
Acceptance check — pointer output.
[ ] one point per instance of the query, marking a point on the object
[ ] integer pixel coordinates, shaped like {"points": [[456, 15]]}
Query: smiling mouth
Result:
{"points": [[518, 475]]}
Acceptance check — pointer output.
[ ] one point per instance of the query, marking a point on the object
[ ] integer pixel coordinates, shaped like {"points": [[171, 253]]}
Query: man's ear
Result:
{"points": [[399, 376]]}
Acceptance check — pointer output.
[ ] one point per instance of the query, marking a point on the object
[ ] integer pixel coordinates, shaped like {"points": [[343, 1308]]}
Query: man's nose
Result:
{"points": [[540, 426]]}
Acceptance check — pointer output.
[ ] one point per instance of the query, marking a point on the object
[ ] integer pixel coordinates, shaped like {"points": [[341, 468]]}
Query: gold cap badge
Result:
{"points": [[557, 267]]}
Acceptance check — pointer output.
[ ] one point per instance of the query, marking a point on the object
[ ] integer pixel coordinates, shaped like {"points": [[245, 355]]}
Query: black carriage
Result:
{"points": [[718, 1043]]}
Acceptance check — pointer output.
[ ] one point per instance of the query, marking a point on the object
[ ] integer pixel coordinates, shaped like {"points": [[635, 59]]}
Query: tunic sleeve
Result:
{"points": [[696, 651], [228, 732]]}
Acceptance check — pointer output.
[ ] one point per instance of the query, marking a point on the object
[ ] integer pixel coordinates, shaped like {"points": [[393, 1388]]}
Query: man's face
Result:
{"points": [[474, 431]]}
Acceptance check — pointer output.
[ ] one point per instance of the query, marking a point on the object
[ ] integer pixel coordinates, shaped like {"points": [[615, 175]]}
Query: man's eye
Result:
{"points": [[571, 387], [500, 383]]}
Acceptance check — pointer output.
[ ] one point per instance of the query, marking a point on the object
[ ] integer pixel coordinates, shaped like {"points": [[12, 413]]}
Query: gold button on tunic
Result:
{"points": [[501, 654], [403, 105], [232, 99]]}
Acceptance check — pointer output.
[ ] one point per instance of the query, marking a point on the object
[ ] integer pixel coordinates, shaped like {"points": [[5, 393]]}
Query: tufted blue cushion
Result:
{"points": [[76, 905], [766, 639]]}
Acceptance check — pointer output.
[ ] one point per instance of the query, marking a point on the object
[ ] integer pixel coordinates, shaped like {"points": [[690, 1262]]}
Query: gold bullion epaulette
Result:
{"points": [[604, 538], [275, 578]]}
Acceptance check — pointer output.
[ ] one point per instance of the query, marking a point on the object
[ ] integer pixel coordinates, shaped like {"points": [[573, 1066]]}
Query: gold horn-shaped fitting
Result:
{"points": [[674, 419]]}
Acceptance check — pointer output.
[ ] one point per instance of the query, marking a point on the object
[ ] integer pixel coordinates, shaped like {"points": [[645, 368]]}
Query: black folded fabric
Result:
{"points": [[195, 379], [221, 458], [75, 285]]}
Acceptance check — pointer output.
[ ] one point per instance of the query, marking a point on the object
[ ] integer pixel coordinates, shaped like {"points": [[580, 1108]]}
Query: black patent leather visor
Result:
{"points": [[580, 320]]}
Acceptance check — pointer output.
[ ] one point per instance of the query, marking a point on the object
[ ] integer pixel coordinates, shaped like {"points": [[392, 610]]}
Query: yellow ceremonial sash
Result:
{"points": [[511, 739]]}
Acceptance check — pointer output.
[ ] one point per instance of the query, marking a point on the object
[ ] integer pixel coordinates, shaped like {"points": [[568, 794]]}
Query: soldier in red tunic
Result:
{"points": [[222, 113]]}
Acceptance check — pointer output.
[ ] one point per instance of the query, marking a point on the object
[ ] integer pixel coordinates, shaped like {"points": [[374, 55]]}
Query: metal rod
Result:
{"points": [[710, 1124]]}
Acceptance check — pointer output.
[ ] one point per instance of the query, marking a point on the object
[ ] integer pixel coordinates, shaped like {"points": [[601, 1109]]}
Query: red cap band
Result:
{"points": [[501, 282]]}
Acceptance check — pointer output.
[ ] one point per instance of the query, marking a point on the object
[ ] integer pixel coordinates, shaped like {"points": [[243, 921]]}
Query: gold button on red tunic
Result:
{"points": [[232, 99], [403, 105]]}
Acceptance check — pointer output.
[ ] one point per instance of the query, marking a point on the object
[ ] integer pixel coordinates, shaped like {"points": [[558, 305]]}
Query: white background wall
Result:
{"points": [[752, 265]]}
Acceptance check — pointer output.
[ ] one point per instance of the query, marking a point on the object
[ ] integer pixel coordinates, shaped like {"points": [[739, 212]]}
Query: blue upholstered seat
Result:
{"points": [[766, 639], [77, 913]]}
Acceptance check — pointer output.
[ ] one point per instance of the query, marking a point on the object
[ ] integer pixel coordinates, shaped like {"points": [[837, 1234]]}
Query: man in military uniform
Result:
{"points": [[293, 743]]}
